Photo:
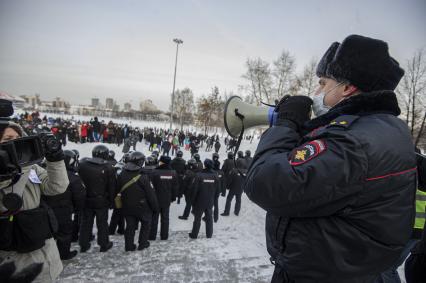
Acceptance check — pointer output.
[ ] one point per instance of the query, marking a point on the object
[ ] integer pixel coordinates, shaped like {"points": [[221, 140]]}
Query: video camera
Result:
{"points": [[17, 153]]}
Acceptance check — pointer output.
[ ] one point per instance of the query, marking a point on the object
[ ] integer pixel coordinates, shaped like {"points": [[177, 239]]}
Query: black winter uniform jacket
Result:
{"points": [[139, 199], [188, 183], [340, 199], [99, 178], [235, 179], [166, 185], [73, 198], [206, 189]]}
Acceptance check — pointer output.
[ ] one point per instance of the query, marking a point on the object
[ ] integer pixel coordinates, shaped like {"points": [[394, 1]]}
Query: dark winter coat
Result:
{"points": [[178, 164], [139, 198], [227, 166], [78, 191], [72, 199], [206, 189], [98, 177], [200, 165], [188, 183], [235, 178], [340, 199], [166, 184], [249, 160]]}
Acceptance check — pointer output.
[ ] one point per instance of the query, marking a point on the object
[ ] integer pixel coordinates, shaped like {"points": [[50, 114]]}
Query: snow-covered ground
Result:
{"points": [[236, 253]]}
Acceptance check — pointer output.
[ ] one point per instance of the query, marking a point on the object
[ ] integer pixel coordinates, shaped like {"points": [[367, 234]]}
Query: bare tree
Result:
{"points": [[260, 82], [184, 105], [210, 110], [305, 84], [412, 93], [283, 74]]}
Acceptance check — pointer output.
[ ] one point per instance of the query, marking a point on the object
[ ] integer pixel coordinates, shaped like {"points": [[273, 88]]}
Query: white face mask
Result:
{"points": [[319, 107]]}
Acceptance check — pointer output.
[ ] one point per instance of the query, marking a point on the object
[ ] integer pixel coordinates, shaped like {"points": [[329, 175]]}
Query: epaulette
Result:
{"points": [[344, 121]]}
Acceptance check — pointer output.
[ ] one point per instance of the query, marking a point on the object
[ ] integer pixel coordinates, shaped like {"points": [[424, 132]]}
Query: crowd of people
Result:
{"points": [[166, 141]]}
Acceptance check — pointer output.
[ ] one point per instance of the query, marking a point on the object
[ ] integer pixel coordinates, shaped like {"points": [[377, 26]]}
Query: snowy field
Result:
{"points": [[236, 253]]}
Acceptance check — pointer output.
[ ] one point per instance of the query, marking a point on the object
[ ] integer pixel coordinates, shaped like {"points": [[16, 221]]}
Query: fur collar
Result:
{"points": [[363, 104]]}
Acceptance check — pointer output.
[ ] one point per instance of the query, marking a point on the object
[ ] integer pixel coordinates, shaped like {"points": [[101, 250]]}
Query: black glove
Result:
{"points": [[52, 148], [296, 109]]}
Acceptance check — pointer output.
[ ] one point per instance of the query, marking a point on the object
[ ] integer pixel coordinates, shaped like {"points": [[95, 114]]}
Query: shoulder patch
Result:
{"points": [[306, 152], [344, 121]]}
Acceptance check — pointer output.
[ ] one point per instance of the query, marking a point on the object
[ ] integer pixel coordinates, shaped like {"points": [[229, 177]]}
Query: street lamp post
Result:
{"points": [[177, 41]]}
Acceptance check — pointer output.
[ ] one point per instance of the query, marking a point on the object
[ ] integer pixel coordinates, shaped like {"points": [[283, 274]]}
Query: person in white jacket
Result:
{"points": [[34, 182]]}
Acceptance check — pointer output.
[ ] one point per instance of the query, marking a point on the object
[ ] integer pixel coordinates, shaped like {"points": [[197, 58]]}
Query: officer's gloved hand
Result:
{"points": [[52, 148], [296, 109]]}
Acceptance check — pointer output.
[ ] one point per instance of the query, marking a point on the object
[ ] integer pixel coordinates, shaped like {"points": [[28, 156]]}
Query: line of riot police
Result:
{"points": [[146, 187]]}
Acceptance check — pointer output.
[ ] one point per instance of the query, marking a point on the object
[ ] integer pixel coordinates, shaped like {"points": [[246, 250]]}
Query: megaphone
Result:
{"points": [[239, 115]]}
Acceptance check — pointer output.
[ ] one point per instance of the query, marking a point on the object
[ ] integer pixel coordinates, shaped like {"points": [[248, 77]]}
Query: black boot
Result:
{"points": [[131, 248], [106, 248], [69, 256], [143, 246], [84, 249]]}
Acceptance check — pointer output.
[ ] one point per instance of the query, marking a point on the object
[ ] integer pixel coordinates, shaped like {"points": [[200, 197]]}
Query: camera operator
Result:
{"points": [[339, 189], [32, 234]]}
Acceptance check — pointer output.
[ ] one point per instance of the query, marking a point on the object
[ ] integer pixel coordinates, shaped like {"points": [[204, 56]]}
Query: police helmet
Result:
{"points": [[240, 154], [230, 155], [192, 163], [208, 163], [125, 157], [215, 156], [70, 159], [77, 154], [179, 153], [111, 154], [100, 151], [197, 157], [150, 161], [137, 158]]}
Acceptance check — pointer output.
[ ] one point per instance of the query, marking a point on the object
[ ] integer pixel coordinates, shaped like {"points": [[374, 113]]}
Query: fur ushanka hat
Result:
{"points": [[362, 61]]}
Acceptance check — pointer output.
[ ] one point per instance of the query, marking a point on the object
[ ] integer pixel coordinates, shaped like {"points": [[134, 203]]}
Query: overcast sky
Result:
{"points": [[123, 49]]}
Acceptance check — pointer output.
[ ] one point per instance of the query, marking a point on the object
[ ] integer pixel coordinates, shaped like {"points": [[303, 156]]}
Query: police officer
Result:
{"points": [[221, 177], [98, 176], [150, 164], [338, 189], [111, 157], [166, 186], [188, 181], [248, 158], [228, 165], [138, 199], [178, 164], [63, 205], [206, 189], [235, 184], [199, 162], [414, 267], [240, 155]]}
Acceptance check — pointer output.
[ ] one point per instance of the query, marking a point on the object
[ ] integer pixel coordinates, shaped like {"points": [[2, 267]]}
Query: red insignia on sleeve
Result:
{"points": [[307, 152]]}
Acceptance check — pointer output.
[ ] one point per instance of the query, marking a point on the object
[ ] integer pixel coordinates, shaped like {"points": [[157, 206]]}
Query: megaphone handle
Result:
{"points": [[240, 137]]}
